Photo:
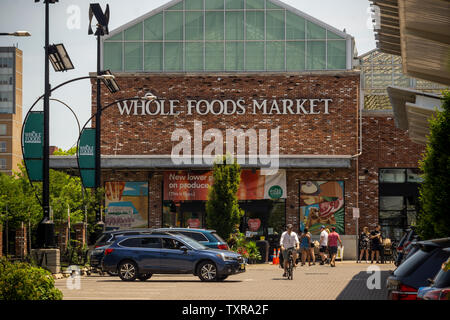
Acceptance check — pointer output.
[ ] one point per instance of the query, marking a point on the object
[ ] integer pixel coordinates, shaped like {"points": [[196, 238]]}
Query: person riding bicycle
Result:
{"points": [[289, 242]]}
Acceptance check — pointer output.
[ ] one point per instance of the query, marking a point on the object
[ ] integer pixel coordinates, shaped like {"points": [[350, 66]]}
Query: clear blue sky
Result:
{"points": [[27, 15]]}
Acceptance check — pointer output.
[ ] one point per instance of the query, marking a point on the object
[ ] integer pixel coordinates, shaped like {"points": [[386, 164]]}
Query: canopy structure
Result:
{"points": [[412, 110], [417, 30]]}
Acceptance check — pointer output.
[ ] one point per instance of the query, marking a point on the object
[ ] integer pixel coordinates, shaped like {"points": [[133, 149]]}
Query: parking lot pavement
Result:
{"points": [[348, 281]]}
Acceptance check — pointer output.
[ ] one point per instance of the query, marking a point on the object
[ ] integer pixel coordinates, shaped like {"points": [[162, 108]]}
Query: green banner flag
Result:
{"points": [[86, 157], [33, 144]]}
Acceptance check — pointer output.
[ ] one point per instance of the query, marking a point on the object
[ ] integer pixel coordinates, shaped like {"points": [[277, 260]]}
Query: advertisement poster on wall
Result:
{"points": [[191, 186], [322, 203], [126, 204]]}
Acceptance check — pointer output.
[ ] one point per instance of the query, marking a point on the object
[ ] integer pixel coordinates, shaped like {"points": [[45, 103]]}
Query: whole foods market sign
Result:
{"points": [[225, 107]]}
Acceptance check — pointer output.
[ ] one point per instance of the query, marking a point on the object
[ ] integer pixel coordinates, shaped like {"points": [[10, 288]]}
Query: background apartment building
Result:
{"points": [[10, 109]]}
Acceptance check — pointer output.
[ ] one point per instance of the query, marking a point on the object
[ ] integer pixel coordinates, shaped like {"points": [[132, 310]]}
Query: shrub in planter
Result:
{"points": [[21, 281], [247, 249], [253, 252]]}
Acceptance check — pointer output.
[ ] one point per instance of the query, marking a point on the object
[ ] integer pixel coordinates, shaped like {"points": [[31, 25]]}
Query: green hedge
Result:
{"points": [[21, 281]]}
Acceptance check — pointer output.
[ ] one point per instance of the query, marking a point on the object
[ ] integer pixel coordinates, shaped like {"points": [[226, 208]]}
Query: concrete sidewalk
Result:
{"points": [[348, 281]]}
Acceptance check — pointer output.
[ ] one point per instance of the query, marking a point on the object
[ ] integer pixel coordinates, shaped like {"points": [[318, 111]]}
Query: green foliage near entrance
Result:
{"points": [[434, 216], [71, 152], [222, 207], [21, 281], [248, 249], [20, 202], [17, 200]]}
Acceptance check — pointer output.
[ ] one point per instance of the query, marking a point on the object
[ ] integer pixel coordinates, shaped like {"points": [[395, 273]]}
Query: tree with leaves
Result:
{"points": [[434, 216], [20, 202], [222, 207], [71, 152]]}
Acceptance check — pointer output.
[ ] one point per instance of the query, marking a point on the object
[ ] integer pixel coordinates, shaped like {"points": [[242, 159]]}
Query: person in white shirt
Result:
{"points": [[289, 242], [323, 244]]}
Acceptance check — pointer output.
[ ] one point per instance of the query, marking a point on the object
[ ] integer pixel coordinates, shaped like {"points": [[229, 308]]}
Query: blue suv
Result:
{"points": [[208, 238], [139, 257]]}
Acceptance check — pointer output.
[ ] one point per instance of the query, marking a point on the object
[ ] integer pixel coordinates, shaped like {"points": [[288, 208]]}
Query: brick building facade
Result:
{"points": [[264, 67], [384, 146], [322, 135], [10, 109]]}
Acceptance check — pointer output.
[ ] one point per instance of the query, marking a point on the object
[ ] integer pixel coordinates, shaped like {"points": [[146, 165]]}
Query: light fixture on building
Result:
{"points": [[16, 34], [59, 58], [109, 80], [150, 96]]}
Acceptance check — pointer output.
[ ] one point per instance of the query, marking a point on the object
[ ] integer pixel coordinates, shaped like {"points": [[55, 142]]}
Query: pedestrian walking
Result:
{"points": [[364, 244], [376, 241], [323, 242], [312, 253], [305, 246], [333, 239]]}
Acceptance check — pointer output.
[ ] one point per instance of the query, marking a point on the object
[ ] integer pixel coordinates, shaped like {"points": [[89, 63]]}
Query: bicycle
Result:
{"points": [[290, 268]]}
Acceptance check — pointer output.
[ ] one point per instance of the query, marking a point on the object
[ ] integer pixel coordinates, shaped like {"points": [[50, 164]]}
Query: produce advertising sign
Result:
{"points": [[322, 203], [126, 204], [185, 186]]}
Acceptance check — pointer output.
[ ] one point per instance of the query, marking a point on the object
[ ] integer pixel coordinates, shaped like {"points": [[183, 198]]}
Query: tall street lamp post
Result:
{"points": [[61, 62], [102, 29]]}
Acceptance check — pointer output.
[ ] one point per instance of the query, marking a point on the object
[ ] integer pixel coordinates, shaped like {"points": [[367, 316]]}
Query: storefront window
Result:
{"points": [[261, 197], [414, 175], [392, 175], [184, 214], [391, 203], [396, 214], [392, 224], [322, 203], [263, 218], [126, 205]]}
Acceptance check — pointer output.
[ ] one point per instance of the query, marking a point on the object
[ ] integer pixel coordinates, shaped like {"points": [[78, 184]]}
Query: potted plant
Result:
{"points": [[253, 252]]}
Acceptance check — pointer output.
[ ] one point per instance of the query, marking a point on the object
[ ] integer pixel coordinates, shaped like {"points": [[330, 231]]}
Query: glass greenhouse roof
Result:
{"points": [[227, 36], [380, 70]]}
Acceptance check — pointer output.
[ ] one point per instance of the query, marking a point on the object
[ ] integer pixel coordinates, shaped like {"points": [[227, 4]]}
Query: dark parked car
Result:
{"points": [[139, 257], [410, 249], [413, 273], [439, 288], [107, 238], [404, 243], [208, 238]]}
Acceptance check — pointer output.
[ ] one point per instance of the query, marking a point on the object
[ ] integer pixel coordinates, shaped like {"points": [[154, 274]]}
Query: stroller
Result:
{"points": [[388, 251]]}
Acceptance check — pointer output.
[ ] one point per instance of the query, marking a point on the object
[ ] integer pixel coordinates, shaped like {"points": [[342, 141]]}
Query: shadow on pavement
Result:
{"points": [[357, 288], [169, 281]]}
